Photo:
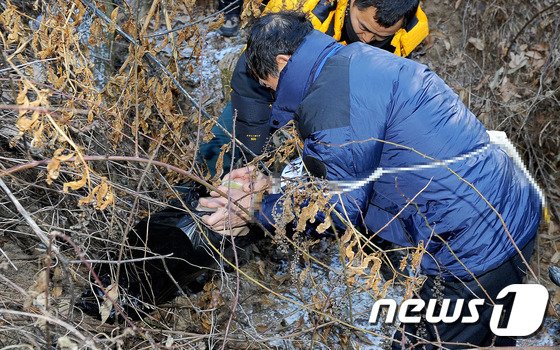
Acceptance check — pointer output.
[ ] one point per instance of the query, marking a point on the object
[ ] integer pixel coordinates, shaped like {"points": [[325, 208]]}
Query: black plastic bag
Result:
{"points": [[172, 253], [554, 274]]}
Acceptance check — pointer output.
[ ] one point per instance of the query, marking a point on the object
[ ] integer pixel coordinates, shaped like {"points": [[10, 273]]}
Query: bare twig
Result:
{"points": [[119, 262], [42, 236], [7, 257], [225, 9], [236, 260], [48, 318]]}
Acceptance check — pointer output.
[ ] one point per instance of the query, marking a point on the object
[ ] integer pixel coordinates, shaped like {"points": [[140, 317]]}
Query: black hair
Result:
{"points": [[390, 12], [274, 34]]}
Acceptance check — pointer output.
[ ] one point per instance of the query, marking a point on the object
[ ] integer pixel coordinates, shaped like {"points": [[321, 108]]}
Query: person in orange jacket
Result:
{"points": [[397, 26]]}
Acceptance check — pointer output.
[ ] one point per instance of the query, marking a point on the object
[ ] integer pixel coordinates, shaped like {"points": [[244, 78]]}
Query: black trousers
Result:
{"points": [[458, 335]]}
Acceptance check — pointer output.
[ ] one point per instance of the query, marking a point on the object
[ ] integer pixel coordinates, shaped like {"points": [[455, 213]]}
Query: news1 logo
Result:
{"points": [[526, 315]]}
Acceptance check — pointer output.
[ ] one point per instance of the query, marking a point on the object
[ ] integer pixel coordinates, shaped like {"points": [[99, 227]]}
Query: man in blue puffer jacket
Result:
{"points": [[359, 109]]}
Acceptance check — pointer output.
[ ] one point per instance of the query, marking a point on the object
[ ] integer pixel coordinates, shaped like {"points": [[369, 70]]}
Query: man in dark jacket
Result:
{"points": [[376, 123]]}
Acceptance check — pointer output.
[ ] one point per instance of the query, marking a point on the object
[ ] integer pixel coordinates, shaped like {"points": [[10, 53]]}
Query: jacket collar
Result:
{"points": [[298, 74]]}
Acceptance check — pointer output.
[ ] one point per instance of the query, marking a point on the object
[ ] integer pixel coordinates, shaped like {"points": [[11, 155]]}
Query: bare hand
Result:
{"points": [[241, 187], [251, 179], [228, 214]]}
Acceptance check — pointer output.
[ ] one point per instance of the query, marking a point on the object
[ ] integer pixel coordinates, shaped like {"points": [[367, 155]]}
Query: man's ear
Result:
{"points": [[281, 61]]}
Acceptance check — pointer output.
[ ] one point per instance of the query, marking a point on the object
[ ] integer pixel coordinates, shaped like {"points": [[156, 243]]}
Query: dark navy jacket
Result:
{"points": [[368, 108]]}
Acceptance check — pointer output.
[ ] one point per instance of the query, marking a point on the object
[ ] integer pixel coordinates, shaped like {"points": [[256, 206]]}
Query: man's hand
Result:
{"points": [[251, 179], [228, 214], [243, 187]]}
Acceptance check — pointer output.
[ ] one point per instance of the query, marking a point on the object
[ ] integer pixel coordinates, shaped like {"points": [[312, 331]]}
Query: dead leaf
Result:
{"points": [[346, 237], [169, 341], [542, 47], [303, 275], [53, 168], [261, 328], [497, 79], [102, 193], [216, 24], [114, 15], [508, 90], [216, 299], [65, 343], [552, 228], [308, 213], [76, 185], [56, 292], [326, 224], [40, 300], [456, 61], [40, 285], [537, 64], [417, 256], [349, 251], [299, 323], [477, 43], [206, 323], [37, 140], [281, 278], [447, 44], [534, 55], [104, 196], [403, 263], [261, 267], [517, 61], [107, 305]]}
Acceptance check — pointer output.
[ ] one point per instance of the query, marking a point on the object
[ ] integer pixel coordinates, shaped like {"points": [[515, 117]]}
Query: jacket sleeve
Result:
{"points": [[251, 104]]}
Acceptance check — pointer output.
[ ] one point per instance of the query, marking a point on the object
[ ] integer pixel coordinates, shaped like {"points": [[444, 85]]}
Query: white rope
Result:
{"points": [[353, 185], [499, 138]]}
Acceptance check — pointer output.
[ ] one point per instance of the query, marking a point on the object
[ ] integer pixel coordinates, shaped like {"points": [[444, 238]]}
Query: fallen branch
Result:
{"points": [[87, 342], [118, 262], [42, 236]]}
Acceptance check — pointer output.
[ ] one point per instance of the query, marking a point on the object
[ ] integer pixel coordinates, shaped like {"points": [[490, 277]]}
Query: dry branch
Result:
{"points": [[42, 236]]}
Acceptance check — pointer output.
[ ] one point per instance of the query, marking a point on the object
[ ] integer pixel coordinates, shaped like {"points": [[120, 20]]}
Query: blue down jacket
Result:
{"points": [[358, 108]]}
